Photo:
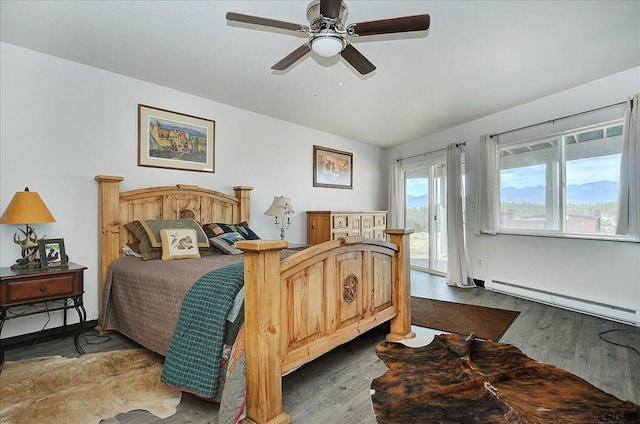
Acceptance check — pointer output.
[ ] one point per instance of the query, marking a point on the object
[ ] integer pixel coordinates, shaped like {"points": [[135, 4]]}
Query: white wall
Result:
{"points": [[63, 123], [602, 271]]}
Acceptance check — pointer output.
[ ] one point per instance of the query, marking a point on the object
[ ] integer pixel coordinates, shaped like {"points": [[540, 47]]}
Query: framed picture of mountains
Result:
{"points": [[174, 140]]}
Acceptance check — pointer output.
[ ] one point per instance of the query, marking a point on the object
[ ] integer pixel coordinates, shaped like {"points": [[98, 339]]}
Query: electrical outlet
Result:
{"points": [[480, 262]]}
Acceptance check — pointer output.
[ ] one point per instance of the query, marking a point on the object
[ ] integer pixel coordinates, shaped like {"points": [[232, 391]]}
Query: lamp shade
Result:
{"points": [[26, 207], [327, 46], [281, 206]]}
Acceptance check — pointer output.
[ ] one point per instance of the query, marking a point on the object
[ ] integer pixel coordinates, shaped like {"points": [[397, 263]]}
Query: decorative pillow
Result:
{"points": [[147, 231], [179, 243], [226, 243], [242, 228]]}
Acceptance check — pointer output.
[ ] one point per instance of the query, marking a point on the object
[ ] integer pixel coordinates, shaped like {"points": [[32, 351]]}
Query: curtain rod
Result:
{"points": [[464, 143], [558, 119]]}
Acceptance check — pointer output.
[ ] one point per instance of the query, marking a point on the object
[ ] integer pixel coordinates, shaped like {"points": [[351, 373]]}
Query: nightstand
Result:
{"points": [[42, 290]]}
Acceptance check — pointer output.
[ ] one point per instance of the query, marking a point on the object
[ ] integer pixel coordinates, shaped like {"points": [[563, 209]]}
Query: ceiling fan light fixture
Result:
{"points": [[327, 45], [328, 34]]}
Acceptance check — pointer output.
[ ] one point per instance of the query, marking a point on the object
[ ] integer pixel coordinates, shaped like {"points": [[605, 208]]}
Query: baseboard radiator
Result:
{"points": [[603, 310]]}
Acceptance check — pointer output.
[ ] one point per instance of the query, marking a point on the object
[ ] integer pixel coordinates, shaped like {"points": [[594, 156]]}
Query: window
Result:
{"points": [[563, 184]]}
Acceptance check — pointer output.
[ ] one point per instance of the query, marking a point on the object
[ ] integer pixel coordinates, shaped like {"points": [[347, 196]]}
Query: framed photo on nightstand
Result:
{"points": [[52, 253]]}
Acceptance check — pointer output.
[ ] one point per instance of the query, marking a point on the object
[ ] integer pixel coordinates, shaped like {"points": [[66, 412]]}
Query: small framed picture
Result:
{"points": [[332, 168], [52, 253]]}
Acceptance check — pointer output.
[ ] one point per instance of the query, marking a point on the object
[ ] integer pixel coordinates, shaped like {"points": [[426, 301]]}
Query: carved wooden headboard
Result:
{"points": [[115, 209]]}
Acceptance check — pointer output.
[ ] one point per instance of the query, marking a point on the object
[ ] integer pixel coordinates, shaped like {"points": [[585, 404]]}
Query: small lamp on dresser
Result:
{"points": [[27, 208], [283, 212]]}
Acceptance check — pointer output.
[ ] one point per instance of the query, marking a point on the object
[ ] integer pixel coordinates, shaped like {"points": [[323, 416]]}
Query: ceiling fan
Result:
{"points": [[328, 33]]}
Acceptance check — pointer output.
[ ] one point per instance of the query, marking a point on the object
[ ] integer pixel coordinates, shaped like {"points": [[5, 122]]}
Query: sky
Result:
{"points": [[580, 171], [417, 186]]}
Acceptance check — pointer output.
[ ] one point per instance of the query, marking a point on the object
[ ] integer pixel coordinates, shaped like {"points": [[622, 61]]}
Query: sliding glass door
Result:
{"points": [[425, 212]]}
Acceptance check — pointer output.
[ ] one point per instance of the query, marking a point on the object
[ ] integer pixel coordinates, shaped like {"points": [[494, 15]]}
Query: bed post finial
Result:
{"points": [[243, 194]]}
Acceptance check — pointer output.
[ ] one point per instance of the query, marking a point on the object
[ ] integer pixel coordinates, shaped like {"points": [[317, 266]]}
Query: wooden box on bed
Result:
{"points": [[295, 309]]}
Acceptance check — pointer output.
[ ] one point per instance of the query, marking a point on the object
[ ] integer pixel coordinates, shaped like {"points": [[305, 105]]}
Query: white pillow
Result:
{"points": [[226, 243], [130, 252]]}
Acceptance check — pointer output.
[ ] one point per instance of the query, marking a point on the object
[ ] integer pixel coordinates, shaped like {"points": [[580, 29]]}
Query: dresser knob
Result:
{"points": [[43, 289]]}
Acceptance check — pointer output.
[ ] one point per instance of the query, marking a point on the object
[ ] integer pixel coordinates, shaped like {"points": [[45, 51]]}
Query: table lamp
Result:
{"points": [[282, 210], [26, 208]]}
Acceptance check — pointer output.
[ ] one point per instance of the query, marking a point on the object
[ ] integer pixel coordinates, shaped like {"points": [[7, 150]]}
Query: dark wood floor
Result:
{"points": [[335, 387]]}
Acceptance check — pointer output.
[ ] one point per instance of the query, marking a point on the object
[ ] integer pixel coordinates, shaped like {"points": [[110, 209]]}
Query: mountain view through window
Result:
{"points": [[565, 184]]}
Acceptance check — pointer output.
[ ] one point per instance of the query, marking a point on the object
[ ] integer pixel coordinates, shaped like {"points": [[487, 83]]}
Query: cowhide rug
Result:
{"points": [[84, 390], [456, 379]]}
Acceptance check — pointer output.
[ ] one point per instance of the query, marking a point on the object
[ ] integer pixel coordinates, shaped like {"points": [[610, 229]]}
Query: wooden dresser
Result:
{"points": [[328, 225]]}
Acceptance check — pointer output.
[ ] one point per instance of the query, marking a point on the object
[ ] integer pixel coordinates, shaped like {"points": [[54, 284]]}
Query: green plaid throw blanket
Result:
{"points": [[195, 352]]}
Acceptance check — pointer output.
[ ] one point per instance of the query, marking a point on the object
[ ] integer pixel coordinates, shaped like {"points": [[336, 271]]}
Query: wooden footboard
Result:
{"points": [[306, 305]]}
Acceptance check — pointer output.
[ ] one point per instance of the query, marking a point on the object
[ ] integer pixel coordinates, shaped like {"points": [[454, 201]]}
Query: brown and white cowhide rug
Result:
{"points": [[84, 390], [456, 379]]}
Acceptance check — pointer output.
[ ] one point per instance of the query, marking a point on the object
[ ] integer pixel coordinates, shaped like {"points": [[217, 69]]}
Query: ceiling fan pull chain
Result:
{"points": [[340, 84], [315, 76]]}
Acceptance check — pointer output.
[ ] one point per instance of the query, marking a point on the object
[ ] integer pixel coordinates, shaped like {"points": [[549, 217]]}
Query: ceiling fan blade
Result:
{"points": [[256, 20], [357, 60], [389, 26], [330, 8], [292, 58]]}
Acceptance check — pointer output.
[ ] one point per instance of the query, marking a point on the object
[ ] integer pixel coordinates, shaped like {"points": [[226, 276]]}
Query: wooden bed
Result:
{"points": [[296, 309]]}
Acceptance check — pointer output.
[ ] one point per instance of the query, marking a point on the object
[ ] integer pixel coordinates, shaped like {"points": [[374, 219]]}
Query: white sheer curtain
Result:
{"points": [[395, 217], [456, 246], [628, 200], [488, 189]]}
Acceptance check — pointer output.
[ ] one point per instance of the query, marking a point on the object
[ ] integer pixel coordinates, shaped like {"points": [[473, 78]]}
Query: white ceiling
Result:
{"points": [[479, 57]]}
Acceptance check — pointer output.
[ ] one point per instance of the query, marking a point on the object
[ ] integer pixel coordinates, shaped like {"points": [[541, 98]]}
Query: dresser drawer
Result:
{"points": [[380, 220], [367, 222], [340, 222], [337, 234], [35, 289]]}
